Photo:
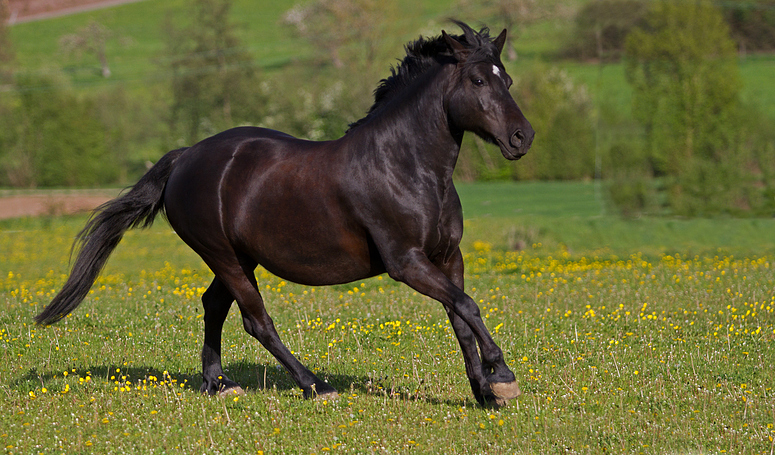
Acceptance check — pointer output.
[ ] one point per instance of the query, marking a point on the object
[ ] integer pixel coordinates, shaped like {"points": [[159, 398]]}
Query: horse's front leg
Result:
{"points": [[453, 269], [489, 374]]}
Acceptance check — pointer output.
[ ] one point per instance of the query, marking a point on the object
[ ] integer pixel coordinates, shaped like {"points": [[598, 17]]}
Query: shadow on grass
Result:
{"points": [[253, 377]]}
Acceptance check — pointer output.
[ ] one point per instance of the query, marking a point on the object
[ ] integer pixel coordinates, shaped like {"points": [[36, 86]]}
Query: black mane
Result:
{"points": [[422, 55]]}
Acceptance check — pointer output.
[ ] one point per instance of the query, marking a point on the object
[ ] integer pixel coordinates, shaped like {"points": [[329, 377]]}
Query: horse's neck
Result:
{"points": [[413, 131]]}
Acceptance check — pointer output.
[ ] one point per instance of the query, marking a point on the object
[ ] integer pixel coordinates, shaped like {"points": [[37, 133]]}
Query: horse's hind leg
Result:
{"points": [[216, 302], [241, 283]]}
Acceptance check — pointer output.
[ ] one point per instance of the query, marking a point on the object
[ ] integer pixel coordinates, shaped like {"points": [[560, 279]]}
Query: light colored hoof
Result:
{"points": [[505, 391], [235, 391], [330, 396]]}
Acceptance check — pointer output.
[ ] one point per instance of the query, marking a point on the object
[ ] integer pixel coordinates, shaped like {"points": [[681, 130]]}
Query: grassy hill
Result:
{"points": [[138, 37], [136, 49], [138, 40]]}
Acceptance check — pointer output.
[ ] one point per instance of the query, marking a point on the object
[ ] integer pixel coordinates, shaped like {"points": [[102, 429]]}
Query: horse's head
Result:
{"points": [[478, 98]]}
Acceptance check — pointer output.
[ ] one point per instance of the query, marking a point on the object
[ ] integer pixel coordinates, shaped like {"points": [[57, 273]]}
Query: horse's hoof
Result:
{"points": [[327, 396], [504, 391], [235, 391]]}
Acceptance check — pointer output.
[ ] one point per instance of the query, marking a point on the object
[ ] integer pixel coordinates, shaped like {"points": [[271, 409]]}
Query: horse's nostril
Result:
{"points": [[517, 138]]}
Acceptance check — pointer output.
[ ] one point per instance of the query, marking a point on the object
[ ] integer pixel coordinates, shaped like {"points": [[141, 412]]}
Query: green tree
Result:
{"points": [[513, 15], [214, 78], [601, 28], [355, 42], [90, 39], [683, 69], [134, 129], [349, 32]]}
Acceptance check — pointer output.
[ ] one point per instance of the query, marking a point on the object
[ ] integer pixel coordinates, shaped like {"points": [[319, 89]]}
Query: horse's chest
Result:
{"points": [[439, 228]]}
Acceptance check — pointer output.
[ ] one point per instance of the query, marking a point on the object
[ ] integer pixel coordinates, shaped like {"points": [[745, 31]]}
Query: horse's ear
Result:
{"points": [[458, 50], [500, 41]]}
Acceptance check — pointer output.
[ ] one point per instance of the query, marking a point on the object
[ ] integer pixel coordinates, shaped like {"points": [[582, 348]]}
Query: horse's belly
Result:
{"points": [[318, 261], [306, 239]]}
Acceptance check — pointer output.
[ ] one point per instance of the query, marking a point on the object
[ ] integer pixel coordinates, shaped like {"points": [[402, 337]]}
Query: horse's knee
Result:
{"points": [[252, 327], [261, 329], [466, 308]]}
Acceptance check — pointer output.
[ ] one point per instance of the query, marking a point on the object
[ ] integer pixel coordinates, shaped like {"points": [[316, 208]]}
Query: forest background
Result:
{"points": [[669, 105]]}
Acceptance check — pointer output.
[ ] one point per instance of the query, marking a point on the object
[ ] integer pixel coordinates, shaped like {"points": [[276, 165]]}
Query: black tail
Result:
{"points": [[106, 227]]}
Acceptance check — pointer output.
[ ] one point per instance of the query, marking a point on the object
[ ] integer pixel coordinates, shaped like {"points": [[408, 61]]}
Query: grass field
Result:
{"points": [[626, 337]]}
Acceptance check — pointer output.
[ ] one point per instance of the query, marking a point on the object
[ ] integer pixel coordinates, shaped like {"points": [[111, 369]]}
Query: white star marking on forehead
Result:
{"points": [[496, 71]]}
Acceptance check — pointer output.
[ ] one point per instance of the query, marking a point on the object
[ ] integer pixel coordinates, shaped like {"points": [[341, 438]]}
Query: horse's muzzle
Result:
{"points": [[520, 142], [521, 139]]}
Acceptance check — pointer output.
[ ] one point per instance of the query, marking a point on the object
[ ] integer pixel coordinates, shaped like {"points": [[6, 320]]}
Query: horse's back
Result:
{"points": [[193, 191], [244, 150]]}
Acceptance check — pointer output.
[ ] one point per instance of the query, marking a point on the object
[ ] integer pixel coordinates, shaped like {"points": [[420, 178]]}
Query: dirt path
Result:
{"points": [[52, 203], [35, 10]]}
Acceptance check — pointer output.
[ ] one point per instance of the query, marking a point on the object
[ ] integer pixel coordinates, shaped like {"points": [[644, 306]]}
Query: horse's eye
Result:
{"points": [[478, 82]]}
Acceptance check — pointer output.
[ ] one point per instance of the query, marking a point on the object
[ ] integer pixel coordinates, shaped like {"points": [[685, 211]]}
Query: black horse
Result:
{"points": [[379, 199]]}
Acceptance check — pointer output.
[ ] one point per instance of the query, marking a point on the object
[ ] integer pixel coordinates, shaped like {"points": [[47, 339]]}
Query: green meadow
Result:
{"points": [[626, 336]]}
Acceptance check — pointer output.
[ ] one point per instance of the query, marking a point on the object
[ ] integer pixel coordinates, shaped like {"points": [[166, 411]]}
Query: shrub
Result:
{"points": [[54, 139], [630, 184]]}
